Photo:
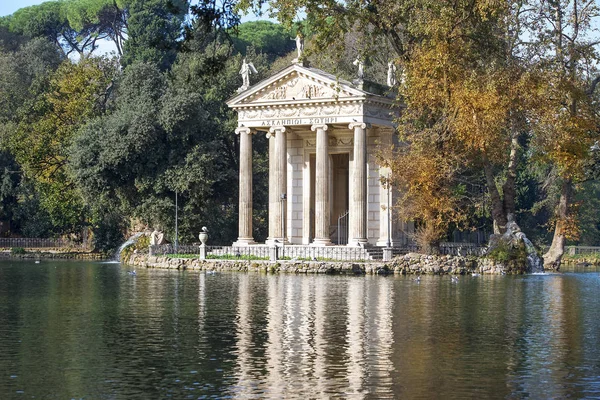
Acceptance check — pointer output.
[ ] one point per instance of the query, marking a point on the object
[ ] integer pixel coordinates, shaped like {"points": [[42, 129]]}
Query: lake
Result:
{"points": [[91, 330]]}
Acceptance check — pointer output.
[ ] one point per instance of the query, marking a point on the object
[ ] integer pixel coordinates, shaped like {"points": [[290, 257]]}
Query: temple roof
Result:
{"points": [[298, 84]]}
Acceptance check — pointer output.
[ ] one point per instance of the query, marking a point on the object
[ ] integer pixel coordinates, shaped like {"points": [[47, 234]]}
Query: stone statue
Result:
{"points": [[245, 71], [361, 68], [157, 238], [299, 47], [391, 75]]}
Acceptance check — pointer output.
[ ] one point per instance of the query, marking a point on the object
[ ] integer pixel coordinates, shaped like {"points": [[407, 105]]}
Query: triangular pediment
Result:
{"points": [[297, 84]]}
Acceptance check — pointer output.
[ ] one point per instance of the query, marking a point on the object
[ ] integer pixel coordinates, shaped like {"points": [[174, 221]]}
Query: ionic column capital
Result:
{"points": [[274, 130], [316, 127], [243, 129], [360, 125]]}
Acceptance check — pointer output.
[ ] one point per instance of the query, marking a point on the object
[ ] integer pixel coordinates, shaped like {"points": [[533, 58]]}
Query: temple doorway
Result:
{"points": [[339, 166], [339, 197]]}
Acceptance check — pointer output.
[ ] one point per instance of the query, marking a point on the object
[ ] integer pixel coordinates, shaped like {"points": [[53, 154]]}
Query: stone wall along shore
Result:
{"points": [[411, 263], [54, 254]]}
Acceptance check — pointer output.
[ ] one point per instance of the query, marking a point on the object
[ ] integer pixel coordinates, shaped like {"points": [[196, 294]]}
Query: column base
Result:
{"points": [[322, 242], [244, 242], [357, 243]]}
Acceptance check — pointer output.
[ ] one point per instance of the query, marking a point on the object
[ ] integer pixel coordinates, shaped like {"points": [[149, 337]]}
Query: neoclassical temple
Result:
{"points": [[324, 134]]}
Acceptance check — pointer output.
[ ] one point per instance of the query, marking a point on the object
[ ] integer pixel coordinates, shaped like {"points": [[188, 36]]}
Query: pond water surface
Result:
{"points": [[91, 330]]}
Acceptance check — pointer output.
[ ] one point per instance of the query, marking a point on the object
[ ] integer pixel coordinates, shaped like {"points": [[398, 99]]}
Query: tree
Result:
{"points": [[265, 36], [102, 19], [566, 117], [154, 30], [478, 80], [40, 139], [24, 74], [170, 133], [49, 20]]}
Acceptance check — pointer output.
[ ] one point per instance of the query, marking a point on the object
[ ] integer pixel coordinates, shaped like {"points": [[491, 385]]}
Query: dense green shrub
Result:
{"points": [[18, 250], [505, 252]]}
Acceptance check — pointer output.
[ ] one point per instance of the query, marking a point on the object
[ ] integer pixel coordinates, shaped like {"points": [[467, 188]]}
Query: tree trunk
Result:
{"points": [[498, 214], [554, 255], [508, 189]]}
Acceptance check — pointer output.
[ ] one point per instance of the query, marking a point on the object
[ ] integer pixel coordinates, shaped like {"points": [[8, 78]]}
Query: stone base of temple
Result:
{"points": [[322, 242], [383, 243], [357, 243]]}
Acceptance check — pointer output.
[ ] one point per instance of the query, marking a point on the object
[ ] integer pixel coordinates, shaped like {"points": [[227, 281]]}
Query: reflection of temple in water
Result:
{"points": [[309, 349], [372, 337]]}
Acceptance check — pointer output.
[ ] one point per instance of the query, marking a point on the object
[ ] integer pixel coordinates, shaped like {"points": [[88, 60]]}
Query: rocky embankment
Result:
{"points": [[582, 261], [411, 263], [53, 254]]}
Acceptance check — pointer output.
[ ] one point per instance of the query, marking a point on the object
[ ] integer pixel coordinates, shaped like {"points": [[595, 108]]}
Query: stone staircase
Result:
{"points": [[376, 253]]}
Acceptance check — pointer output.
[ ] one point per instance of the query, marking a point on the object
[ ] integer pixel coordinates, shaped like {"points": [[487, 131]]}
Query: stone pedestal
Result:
{"points": [[273, 250], [387, 254]]}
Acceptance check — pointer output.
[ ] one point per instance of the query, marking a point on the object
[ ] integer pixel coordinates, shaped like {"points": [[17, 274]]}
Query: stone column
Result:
{"points": [[245, 194], [306, 201], [277, 182], [386, 218], [358, 202], [272, 193], [322, 207], [385, 212]]}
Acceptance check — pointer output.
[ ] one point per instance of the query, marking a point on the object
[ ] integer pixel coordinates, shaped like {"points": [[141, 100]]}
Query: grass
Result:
{"points": [[250, 257], [18, 250], [505, 253], [287, 258], [181, 255], [589, 257]]}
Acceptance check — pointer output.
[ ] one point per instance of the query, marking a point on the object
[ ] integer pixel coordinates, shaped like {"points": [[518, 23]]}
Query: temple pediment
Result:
{"points": [[300, 95], [297, 84]]}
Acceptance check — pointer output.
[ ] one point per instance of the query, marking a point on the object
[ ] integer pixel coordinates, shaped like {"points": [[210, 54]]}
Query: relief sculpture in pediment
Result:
{"points": [[279, 93], [299, 89]]}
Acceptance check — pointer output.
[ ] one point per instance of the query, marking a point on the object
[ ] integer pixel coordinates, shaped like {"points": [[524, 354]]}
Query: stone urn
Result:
{"points": [[203, 236]]}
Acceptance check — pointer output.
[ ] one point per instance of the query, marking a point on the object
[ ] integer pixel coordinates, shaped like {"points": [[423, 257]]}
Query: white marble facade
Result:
{"points": [[324, 135]]}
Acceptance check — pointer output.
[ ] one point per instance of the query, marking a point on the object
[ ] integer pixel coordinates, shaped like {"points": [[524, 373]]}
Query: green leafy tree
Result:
{"points": [[264, 36], [49, 20], [101, 19], [154, 30], [41, 137], [169, 133], [566, 119]]}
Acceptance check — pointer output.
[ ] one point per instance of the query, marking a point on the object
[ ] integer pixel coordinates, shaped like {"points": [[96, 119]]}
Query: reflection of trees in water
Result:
{"points": [[548, 342]]}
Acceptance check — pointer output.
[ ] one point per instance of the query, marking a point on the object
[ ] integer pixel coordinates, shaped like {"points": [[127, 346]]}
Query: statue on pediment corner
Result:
{"points": [[245, 71]]}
